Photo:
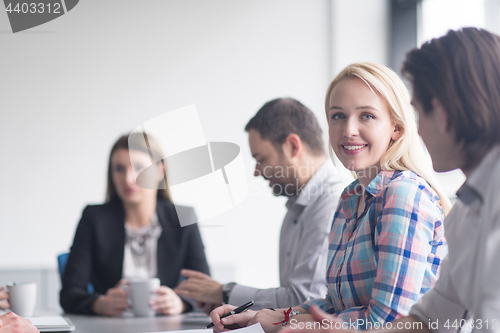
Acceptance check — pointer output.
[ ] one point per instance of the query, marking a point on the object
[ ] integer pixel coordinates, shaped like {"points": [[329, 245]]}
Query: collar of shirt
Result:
{"points": [[475, 186], [350, 195], [314, 186], [377, 185]]}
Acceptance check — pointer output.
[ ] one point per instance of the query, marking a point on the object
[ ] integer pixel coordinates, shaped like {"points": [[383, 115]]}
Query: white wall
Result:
{"points": [[360, 32], [70, 87]]}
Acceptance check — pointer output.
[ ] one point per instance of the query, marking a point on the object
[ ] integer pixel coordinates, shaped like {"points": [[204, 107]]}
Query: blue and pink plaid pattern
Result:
{"points": [[379, 265]]}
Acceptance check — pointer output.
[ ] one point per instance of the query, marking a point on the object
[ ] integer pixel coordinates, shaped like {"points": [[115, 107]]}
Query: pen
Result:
{"points": [[239, 309]]}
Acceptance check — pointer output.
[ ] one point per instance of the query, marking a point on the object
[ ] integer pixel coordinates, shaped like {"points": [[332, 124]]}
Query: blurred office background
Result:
{"points": [[70, 87]]}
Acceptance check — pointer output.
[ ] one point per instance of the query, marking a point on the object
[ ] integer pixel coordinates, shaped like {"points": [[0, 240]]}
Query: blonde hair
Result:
{"points": [[407, 152]]}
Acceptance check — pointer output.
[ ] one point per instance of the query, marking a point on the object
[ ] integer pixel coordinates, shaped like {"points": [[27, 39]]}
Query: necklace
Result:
{"points": [[138, 238]]}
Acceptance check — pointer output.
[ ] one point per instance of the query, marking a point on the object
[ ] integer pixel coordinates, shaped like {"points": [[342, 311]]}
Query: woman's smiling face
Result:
{"points": [[360, 126]]}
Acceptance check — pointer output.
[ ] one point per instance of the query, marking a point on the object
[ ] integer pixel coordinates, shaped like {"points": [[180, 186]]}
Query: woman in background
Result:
{"points": [[135, 234]]}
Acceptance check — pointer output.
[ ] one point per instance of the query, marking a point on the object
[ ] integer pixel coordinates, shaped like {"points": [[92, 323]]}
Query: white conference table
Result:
{"points": [[129, 324]]}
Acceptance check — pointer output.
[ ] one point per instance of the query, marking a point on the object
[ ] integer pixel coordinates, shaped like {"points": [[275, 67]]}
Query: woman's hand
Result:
{"points": [[4, 304], [240, 319], [317, 315], [267, 318], [167, 302], [113, 303]]}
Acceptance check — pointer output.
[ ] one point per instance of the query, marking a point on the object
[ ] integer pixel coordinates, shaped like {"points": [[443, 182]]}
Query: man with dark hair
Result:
{"points": [[285, 140], [456, 91], [282, 116]]}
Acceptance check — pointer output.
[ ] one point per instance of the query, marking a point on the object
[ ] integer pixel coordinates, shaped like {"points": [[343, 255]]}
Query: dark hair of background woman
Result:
{"points": [[137, 141]]}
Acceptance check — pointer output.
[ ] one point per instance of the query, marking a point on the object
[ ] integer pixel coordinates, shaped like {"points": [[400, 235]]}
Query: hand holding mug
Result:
{"points": [[167, 301], [113, 303], [4, 303]]}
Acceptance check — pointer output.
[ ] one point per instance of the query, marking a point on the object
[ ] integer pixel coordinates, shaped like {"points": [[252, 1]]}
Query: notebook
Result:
{"points": [[52, 324]]}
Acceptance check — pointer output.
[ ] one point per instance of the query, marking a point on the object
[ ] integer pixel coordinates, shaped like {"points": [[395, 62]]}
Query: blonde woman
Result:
{"points": [[387, 238]]}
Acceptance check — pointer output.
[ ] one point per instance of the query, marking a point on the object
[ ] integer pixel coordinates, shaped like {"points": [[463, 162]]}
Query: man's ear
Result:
{"points": [[440, 115], [293, 145]]}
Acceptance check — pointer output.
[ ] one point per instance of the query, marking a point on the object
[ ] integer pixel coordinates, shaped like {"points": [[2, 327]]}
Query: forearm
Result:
{"points": [[297, 316], [324, 304], [96, 307], [297, 308], [301, 318], [187, 305], [300, 309], [74, 295], [74, 301], [281, 297]]}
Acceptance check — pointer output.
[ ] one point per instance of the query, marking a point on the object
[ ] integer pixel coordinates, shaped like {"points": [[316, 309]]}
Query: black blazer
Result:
{"points": [[98, 248]]}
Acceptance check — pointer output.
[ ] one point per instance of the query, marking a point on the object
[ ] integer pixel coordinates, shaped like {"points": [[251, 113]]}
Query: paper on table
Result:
{"points": [[207, 330], [255, 328], [47, 321]]}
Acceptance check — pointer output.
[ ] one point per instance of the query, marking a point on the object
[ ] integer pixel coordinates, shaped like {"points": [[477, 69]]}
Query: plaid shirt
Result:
{"points": [[379, 264]]}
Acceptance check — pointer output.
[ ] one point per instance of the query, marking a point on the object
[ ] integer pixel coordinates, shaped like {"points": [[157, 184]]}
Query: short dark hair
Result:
{"points": [[283, 116], [461, 70]]}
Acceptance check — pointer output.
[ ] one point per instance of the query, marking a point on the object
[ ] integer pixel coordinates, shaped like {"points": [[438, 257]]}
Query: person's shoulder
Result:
{"points": [[323, 199], [186, 213], [332, 177], [164, 204], [177, 215], [408, 184], [404, 178], [331, 184], [100, 208], [100, 215]]}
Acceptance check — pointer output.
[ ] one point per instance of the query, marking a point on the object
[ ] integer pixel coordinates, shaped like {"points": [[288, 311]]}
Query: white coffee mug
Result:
{"points": [[141, 292], [22, 298]]}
